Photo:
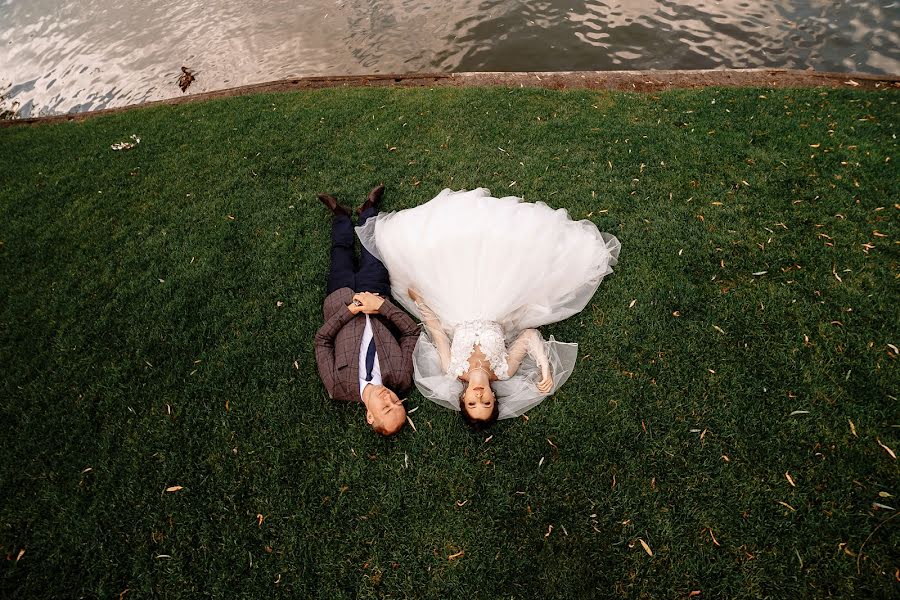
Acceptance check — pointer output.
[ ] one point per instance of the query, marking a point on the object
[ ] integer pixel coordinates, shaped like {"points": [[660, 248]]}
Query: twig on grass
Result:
{"points": [[859, 556]]}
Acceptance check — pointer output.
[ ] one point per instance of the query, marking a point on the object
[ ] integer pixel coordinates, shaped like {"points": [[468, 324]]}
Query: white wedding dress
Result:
{"points": [[490, 268]]}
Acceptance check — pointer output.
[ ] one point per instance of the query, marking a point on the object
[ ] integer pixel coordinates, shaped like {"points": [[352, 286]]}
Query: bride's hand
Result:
{"points": [[546, 384], [414, 295]]}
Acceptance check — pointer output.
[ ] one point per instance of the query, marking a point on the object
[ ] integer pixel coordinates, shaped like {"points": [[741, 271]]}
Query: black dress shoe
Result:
{"points": [[373, 199], [332, 204]]}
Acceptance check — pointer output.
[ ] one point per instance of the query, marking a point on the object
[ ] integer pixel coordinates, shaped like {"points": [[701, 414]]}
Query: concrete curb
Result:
{"points": [[629, 81]]}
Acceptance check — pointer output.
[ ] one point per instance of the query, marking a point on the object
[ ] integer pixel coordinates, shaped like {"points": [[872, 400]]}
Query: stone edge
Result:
{"points": [[629, 81]]}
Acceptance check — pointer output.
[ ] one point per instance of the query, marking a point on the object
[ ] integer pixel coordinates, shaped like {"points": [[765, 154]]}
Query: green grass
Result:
{"points": [[141, 347]]}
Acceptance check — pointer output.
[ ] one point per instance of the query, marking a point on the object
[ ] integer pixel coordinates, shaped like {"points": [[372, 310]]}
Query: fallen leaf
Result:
{"points": [[411, 424], [715, 541], [886, 449], [461, 504], [884, 495], [549, 531], [259, 520], [20, 554], [459, 554], [646, 547], [790, 479], [694, 593], [719, 329], [676, 313], [787, 505], [633, 302], [852, 428], [174, 488], [851, 82], [760, 273]]}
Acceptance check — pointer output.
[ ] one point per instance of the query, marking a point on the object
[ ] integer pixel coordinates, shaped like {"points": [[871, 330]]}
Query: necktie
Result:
{"points": [[370, 359]]}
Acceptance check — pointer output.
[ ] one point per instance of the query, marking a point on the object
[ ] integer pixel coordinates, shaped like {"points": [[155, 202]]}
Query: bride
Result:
{"points": [[482, 273]]}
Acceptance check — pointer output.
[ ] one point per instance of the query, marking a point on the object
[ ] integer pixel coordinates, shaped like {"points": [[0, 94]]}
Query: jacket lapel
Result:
{"points": [[358, 324]]}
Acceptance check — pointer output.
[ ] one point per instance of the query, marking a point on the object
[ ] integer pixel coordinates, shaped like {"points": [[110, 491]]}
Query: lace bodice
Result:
{"points": [[486, 334]]}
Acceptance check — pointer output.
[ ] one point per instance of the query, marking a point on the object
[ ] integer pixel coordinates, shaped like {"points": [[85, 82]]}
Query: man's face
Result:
{"points": [[385, 412]]}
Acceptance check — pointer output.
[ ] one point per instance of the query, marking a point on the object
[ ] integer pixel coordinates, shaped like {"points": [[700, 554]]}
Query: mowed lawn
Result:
{"points": [[730, 430]]}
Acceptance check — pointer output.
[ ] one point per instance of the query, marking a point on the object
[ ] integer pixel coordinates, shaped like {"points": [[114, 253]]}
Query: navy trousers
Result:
{"points": [[369, 274]]}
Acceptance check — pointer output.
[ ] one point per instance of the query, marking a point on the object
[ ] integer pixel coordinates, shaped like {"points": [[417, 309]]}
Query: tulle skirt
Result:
{"points": [[471, 256]]}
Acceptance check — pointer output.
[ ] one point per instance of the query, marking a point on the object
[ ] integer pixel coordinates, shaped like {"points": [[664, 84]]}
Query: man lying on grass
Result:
{"points": [[359, 357]]}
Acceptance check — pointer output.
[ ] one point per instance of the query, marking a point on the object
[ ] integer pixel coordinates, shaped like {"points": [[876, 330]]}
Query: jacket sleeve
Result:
{"points": [[325, 347], [409, 335]]}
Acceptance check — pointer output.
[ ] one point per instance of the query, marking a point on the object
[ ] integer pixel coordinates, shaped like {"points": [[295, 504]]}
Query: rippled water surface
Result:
{"points": [[58, 56]]}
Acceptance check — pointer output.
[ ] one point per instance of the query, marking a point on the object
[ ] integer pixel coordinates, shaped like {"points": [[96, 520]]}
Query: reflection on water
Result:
{"points": [[64, 55]]}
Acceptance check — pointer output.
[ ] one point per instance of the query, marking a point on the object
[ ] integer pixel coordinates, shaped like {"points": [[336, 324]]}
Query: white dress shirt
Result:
{"points": [[363, 348]]}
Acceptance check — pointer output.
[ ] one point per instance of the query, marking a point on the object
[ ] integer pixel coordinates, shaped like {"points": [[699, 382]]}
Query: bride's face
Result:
{"points": [[478, 401]]}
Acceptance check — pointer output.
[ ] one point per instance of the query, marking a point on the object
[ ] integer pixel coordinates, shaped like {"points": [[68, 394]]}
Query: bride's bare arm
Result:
{"points": [[435, 330], [530, 342]]}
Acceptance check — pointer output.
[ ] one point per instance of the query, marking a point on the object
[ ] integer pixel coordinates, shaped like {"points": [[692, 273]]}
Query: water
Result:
{"points": [[59, 56]]}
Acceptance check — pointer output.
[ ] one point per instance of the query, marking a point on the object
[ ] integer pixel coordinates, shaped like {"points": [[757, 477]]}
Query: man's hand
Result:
{"points": [[366, 302]]}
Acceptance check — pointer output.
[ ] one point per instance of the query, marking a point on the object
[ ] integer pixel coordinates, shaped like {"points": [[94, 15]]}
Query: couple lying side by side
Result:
{"points": [[482, 274]]}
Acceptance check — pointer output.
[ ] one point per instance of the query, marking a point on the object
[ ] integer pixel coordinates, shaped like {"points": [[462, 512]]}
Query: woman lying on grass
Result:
{"points": [[482, 273]]}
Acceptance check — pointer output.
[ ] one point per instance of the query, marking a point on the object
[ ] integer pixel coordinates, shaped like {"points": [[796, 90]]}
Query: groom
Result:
{"points": [[364, 349]]}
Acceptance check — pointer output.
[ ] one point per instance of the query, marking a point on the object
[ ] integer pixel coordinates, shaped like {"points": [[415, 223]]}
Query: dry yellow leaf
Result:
{"points": [[790, 479], [459, 554], [174, 488], [646, 547], [852, 428], [886, 449]]}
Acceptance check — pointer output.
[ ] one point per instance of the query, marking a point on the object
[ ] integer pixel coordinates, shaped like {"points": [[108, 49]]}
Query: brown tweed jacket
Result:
{"points": [[338, 341]]}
